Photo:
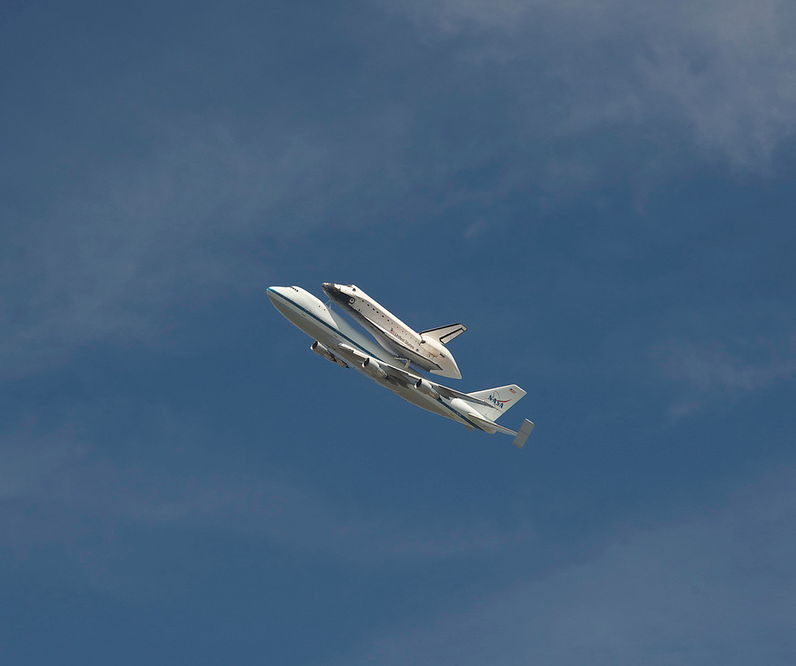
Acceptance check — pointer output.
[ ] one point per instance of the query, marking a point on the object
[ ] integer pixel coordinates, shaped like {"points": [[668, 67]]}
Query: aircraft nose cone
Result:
{"points": [[331, 289], [272, 293]]}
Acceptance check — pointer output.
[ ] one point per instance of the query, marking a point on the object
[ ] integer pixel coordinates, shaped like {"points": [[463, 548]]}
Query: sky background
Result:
{"points": [[602, 192]]}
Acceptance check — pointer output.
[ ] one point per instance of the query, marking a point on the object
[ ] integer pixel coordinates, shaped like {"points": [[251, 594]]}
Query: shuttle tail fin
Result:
{"points": [[500, 399], [444, 334]]}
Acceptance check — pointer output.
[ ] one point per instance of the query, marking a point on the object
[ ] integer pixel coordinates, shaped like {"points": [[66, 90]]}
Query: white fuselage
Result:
{"points": [[393, 334], [332, 331]]}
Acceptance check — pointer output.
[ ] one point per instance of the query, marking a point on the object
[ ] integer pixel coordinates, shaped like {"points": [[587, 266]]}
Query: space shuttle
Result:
{"points": [[425, 350]]}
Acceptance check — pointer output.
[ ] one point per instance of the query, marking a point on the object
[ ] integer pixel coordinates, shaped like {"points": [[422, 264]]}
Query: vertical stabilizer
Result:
{"points": [[500, 399], [444, 334]]}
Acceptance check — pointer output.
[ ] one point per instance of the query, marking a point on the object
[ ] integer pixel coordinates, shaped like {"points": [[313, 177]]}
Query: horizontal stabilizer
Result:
{"points": [[448, 392], [444, 334], [522, 435], [489, 426]]}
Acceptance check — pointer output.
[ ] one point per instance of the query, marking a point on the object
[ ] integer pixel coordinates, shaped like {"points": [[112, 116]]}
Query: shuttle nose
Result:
{"points": [[332, 290]]}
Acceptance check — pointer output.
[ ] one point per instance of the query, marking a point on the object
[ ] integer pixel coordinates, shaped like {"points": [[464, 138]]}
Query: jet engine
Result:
{"points": [[424, 387], [372, 367], [322, 350]]}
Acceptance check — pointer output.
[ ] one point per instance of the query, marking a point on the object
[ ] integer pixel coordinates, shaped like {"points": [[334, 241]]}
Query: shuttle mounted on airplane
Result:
{"points": [[425, 350], [339, 342]]}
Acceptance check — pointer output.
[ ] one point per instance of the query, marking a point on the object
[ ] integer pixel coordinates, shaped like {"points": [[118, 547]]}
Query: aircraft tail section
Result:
{"points": [[444, 334], [500, 399]]}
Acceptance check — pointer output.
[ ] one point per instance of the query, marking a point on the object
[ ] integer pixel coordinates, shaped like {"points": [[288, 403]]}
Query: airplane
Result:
{"points": [[337, 341], [425, 349]]}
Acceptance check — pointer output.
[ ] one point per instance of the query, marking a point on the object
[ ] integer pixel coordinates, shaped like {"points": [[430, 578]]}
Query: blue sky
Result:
{"points": [[602, 192]]}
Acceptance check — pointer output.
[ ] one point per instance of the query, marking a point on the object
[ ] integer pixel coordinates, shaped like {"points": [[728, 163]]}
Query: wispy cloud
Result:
{"points": [[61, 494], [723, 369], [180, 225], [716, 587], [718, 76]]}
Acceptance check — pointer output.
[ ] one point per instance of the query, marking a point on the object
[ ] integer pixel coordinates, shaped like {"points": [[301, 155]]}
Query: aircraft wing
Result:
{"points": [[406, 378], [393, 372]]}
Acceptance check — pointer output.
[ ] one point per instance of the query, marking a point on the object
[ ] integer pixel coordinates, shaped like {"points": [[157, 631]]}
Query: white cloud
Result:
{"points": [[714, 368], [719, 76], [721, 370], [714, 588]]}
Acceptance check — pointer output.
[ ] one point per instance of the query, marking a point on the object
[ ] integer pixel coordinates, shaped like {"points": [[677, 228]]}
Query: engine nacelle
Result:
{"points": [[372, 367], [322, 350], [425, 387]]}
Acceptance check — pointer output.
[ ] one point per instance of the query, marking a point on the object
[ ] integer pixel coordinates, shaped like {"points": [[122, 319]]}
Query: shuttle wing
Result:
{"points": [[396, 342]]}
